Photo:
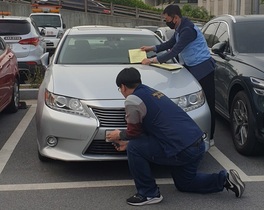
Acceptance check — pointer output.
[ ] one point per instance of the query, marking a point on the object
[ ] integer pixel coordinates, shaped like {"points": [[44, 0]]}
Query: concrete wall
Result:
{"points": [[72, 18]]}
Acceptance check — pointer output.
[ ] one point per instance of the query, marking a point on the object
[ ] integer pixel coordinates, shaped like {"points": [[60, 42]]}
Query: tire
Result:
{"points": [[242, 126], [13, 106]]}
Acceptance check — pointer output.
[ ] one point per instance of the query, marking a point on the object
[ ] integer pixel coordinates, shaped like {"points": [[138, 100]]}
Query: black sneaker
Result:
{"points": [[139, 200], [234, 183]]}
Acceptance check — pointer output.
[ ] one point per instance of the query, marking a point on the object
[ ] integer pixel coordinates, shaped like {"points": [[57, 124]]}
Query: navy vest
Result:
{"points": [[165, 121]]}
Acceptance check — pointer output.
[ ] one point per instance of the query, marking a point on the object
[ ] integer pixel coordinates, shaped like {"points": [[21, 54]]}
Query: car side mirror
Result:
{"points": [[42, 32], [219, 49], [64, 25]]}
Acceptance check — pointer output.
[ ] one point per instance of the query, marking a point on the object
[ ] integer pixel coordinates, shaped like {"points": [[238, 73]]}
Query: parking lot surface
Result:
{"points": [[27, 183]]}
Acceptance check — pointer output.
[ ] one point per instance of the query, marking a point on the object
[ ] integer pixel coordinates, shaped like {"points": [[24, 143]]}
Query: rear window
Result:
{"points": [[14, 27]]}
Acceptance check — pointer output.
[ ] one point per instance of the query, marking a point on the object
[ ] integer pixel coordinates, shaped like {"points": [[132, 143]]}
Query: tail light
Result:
{"points": [[31, 41]]}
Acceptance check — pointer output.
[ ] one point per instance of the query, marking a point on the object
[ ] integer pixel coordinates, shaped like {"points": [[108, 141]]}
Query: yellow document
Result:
{"points": [[136, 55], [169, 67]]}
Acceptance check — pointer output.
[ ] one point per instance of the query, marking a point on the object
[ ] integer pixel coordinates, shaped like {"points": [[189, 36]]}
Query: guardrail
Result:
{"points": [[107, 8]]}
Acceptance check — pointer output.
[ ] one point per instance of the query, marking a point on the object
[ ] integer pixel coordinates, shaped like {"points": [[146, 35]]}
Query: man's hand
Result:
{"points": [[147, 61], [113, 136], [121, 145], [147, 48]]}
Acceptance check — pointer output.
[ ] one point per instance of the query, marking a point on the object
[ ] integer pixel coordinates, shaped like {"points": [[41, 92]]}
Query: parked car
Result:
{"points": [[165, 33], [78, 101], [151, 28], [237, 45], [23, 37], [9, 79]]}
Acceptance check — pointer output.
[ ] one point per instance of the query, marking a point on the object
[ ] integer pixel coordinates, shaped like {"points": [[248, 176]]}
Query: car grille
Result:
{"points": [[101, 147], [110, 117]]}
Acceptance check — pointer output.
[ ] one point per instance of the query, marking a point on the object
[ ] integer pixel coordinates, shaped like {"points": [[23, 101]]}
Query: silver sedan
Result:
{"points": [[78, 100]]}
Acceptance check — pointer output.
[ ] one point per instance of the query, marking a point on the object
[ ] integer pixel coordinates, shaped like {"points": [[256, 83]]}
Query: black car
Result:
{"points": [[237, 45]]}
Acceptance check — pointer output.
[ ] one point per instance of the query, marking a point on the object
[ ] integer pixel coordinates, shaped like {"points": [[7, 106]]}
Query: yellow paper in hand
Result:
{"points": [[136, 55], [169, 67]]}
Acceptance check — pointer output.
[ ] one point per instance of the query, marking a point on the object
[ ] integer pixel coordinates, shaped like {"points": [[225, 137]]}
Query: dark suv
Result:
{"points": [[237, 45]]}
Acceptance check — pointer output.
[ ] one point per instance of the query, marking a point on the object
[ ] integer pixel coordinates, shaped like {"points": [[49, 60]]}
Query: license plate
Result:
{"points": [[106, 132]]}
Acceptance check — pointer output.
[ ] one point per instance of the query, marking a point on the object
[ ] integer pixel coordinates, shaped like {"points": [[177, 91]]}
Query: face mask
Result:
{"points": [[171, 24]]}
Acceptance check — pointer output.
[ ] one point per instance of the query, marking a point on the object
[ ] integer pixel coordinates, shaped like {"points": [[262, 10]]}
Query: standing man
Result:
{"points": [[160, 132], [189, 44]]}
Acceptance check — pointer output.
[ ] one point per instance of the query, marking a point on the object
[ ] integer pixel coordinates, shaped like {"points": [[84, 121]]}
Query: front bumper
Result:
{"points": [[83, 139]]}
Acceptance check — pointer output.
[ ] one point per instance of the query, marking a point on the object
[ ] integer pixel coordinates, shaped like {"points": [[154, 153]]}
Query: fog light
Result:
{"points": [[52, 141]]}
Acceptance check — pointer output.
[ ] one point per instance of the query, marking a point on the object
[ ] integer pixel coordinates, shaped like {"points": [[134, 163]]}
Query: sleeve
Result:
{"points": [[187, 35], [135, 112]]}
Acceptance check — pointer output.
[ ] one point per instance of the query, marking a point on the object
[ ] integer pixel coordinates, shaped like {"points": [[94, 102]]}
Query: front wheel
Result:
{"points": [[14, 104], [242, 125]]}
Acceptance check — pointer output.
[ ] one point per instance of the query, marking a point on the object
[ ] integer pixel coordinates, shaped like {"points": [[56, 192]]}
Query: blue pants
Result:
{"points": [[183, 168]]}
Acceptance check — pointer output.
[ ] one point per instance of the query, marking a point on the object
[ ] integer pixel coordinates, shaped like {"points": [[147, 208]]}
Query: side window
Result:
{"points": [[222, 35], [209, 34]]}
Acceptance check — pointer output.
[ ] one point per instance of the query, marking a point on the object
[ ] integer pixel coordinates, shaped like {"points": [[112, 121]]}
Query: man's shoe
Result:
{"points": [[234, 183], [139, 200]]}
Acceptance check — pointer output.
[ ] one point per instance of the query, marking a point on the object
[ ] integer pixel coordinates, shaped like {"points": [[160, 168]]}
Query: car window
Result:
{"points": [[222, 35], [249, 37], [14, 27], [103, 49], [209, 34]]}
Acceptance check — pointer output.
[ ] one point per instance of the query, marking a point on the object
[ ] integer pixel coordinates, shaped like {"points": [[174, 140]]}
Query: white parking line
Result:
{"points": [[13, 140]]}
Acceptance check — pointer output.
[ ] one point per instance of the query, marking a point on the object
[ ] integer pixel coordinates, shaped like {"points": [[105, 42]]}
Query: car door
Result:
{"points": [[5, 75], [215, 33]]}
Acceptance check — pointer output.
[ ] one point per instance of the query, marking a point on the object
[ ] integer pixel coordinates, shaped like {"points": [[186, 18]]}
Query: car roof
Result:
{"points": [[107, 30], [45, 13], [15, 18], [240, 18]]}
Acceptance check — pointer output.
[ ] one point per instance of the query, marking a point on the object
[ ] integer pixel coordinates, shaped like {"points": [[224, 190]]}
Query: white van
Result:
{"points": [[50, 22]]}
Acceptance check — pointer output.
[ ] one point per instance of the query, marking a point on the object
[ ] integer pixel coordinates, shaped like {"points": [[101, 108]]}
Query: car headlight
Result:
{"points": [[65, 104], [259, 85], [191, 101]]}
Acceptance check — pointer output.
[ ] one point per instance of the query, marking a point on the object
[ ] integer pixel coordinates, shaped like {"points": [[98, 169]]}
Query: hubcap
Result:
{"points": [[240, 122], [16, 95]]}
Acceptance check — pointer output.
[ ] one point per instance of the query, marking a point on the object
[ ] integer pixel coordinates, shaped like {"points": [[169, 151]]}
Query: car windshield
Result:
{"points": [[14, 27], [249, 37], [47, 20], [103, 49]]}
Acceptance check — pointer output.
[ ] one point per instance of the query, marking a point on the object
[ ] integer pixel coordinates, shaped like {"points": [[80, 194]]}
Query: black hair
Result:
{"points": [[129, 77], [172, 10]]}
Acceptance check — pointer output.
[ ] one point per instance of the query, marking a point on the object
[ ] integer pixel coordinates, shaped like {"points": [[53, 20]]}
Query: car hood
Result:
{"points": [[255, 60], [93, 82]]}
